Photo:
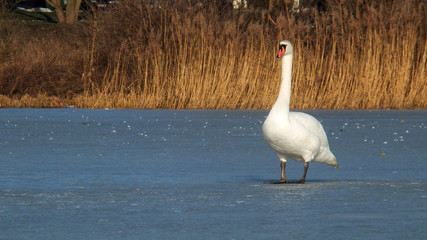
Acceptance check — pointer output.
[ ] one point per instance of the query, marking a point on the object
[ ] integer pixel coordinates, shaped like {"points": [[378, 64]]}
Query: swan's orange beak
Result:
{"points": [[282, 50]]}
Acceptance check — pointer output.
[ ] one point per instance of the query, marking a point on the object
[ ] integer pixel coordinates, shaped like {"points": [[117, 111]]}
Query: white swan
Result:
{"points": [[294, 135]]}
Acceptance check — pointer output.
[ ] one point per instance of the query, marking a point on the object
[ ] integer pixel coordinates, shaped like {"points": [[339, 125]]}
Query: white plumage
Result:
{"points": [[294, 135]]}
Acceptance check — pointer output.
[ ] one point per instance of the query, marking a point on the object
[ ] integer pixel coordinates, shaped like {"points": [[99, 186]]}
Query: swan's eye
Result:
{"points": [[282, 50], [282, 46]]}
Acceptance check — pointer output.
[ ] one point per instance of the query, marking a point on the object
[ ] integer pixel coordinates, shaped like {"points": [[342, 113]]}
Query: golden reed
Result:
{"points": [[354, 56]]}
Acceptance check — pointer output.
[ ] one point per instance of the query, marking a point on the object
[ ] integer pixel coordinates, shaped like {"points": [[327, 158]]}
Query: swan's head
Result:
{"points": [[285, 47]]}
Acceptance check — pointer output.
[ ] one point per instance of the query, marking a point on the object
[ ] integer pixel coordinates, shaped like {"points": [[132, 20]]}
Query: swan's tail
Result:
{"points": [[337, 166], [333, 162], [329, 158]]}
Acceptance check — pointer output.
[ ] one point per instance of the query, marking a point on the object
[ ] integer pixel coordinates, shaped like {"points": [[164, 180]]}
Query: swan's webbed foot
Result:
{"points": [[286, 182], [297, 182], [282, 181]]}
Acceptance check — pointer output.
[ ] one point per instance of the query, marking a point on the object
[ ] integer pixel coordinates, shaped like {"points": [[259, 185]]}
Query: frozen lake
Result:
{"points": [[162, 174]]}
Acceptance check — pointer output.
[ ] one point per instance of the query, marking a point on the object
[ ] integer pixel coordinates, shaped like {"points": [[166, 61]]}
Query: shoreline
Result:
{"points": [[44, 101]]}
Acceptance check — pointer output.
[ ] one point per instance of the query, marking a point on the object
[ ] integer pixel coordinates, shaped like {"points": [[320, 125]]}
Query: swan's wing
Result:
{"points": [[310, 124]]}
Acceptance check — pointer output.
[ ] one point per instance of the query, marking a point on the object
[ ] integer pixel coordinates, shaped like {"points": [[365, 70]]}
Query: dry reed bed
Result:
{"points": [[136, 56]]}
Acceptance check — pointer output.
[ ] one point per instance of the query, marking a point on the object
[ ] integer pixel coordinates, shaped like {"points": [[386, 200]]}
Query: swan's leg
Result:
{"points": [[305, 173], [283, 175]]}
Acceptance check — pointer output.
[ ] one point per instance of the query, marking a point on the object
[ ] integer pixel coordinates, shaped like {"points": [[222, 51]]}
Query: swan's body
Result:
{"points": [[294, 135]]}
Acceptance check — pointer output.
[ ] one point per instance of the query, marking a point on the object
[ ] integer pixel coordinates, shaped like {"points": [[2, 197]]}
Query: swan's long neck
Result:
{"points": [[281, 106]]}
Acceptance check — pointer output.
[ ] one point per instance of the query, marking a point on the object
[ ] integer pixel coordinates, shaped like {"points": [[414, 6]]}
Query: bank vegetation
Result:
{"points": [[192, 55]]}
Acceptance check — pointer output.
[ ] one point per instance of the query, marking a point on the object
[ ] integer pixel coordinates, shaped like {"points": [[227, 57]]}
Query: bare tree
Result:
{"points": [[71, 11]]}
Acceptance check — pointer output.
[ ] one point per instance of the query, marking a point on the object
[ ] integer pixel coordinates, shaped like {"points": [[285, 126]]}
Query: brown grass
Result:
{"points": [[356, 55]]}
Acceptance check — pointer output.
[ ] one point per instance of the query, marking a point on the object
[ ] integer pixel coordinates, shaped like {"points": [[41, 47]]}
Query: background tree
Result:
{"points": [[71, 10]]}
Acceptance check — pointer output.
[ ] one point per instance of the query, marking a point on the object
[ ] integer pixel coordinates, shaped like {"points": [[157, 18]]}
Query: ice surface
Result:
{"points": [[162, 174]]}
